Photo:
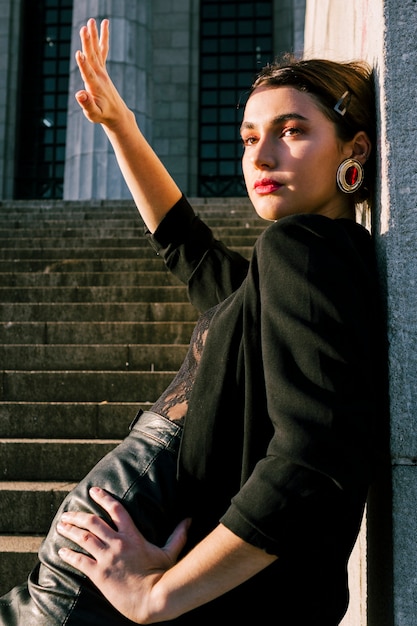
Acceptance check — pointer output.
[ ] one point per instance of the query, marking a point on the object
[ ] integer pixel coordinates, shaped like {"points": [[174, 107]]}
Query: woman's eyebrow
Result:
{"points": [[276, 121]]}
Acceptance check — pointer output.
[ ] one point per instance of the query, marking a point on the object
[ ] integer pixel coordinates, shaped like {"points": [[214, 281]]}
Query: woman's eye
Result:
{"points": [[248, 141], [290, 131]]}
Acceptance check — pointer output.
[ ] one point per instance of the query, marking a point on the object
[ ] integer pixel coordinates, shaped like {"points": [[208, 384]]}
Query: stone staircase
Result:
{"points": [[92, 327]]}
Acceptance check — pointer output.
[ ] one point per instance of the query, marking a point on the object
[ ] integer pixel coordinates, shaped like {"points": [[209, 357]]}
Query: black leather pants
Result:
{"points": [[141, 473]]}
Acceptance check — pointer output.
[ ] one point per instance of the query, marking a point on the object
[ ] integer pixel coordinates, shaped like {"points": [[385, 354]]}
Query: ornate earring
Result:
{"points": [[350, 175]]}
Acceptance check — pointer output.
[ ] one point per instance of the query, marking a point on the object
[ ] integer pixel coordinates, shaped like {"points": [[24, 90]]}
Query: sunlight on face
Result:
{"points": [[291, 155]]}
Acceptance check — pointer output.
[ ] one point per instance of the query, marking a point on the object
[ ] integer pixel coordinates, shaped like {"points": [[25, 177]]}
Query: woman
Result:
{"points": [[276, 403]]}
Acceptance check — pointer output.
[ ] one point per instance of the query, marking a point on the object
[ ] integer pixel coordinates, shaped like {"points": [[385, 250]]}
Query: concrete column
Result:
{"points": [[384, 33], [91, 170], [175, 61], [399, 232], [289, 18], [9, 67]]}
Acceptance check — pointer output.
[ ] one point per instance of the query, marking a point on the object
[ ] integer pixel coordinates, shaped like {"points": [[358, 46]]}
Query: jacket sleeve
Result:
{"points": [[210, 270], [316, 307]]}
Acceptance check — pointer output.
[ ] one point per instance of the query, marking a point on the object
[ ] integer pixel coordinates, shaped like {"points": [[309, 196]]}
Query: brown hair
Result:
{"points": [[327, 81]]}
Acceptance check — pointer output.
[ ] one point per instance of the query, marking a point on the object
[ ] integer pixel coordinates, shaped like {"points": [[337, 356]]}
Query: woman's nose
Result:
{"points": [[263, 156]]}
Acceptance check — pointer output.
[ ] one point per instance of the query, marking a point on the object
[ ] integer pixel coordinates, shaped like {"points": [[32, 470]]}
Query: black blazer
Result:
{"points": [[278, 438]]}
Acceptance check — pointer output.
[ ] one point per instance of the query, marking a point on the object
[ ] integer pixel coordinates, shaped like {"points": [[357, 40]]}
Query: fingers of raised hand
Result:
{"points": [[91, 45], [104, 40], [95, 45], [86, 71], [93, 33]]}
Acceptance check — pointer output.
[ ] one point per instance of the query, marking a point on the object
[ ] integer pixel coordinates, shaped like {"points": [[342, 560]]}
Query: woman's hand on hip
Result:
{"points": [[121, 563]]}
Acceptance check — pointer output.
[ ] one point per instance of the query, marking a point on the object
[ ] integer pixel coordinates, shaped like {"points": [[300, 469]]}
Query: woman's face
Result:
{"points": [[291, 155]]}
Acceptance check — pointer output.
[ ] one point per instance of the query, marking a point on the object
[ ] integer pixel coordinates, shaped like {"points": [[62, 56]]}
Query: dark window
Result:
{"points": [[236, 41], [43, 98]]}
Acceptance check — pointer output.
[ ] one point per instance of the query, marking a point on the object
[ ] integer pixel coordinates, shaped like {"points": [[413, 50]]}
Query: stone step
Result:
{"points": [[30, 506], [67, 420], [107, 209], [83, 386], [65, 253], [18, 556], [104, 231], [120, 357], [64, 206], [82, 265], [26, 511], [94, 294], [114, 241], [110, 222], [61, 460], [95, 332], [46, 223], [88, 279], [111, 252], [87, 211], [37, 232], [99, 312], [93, 329], [117, 207], [103, 242]]}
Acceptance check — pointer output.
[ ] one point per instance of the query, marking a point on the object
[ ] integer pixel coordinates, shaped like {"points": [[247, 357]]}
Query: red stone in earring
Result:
{"points": [[349, 175]]}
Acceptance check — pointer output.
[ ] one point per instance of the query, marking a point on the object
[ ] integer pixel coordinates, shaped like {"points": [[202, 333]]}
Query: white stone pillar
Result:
{"points": [[91, 171], [175, 88]]}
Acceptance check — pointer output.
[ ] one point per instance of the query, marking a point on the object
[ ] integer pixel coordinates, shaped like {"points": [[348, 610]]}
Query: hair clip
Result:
{"points": [[341, 105]]}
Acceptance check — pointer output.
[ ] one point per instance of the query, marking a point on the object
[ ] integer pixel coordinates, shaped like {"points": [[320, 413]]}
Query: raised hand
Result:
{"points": [[100, 100], [153, 189], [121, 563]]}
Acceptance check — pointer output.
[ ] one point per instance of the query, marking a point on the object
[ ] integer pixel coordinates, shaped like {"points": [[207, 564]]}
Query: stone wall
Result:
{"points": [[384, 33]]}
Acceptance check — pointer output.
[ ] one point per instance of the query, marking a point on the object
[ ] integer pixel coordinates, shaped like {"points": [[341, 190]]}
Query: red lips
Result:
{"points": [[266, 185]]}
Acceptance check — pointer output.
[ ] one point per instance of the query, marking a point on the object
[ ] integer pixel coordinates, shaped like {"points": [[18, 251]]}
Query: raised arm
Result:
{"points": [[153, 189]]}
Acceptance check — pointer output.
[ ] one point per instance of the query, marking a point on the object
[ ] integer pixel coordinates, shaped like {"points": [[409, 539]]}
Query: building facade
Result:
{"points": [[181, 65]]}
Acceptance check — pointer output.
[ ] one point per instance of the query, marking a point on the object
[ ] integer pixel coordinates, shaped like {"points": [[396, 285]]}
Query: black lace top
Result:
{"points": [[173, 403]]}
